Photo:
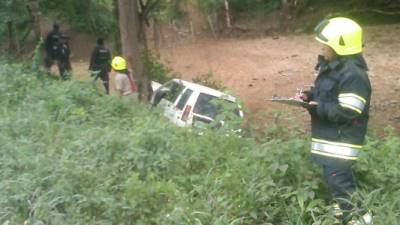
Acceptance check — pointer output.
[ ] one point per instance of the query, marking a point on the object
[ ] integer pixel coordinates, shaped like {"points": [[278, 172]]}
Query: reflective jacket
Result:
{"points": [[339, 122]]}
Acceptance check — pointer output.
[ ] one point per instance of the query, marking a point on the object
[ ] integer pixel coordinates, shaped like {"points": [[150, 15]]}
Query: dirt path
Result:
{"points": [[256, 69]]}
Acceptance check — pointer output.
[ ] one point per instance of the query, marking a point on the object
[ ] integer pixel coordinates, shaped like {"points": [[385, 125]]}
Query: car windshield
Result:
{"points": [[211, 106]]}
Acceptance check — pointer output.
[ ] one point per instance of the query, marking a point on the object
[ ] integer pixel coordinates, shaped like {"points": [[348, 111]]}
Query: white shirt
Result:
{"points": [[122, 84]]}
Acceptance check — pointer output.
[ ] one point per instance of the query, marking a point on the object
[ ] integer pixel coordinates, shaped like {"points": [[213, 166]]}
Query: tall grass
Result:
{"points": [[69, 155]]}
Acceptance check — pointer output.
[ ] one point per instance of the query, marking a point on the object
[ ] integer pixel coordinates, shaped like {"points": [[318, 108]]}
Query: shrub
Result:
{"points": [[72, 156]]}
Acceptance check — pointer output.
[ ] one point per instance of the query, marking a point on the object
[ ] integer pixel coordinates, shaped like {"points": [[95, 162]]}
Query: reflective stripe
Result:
{"points": [[352, 101], [351, 107], [336, 143], [353, 95], [334, 150], [334, 156]]}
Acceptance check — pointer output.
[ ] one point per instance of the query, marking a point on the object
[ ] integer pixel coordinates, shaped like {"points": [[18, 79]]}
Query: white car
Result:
{"points": [[188, 104]]}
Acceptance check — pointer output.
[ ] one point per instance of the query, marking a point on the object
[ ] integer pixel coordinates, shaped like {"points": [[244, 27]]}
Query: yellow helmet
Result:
{"points": [[118, 63], [343, 35]]}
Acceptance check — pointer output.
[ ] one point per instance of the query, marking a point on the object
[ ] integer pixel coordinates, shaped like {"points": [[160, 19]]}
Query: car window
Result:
{"points": [[208, 105], [175, 89], [182, 102]]}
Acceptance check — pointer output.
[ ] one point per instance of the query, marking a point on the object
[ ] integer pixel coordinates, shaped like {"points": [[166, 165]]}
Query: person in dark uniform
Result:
{"points": [[51, 46], [339, 106], [100, 63], [62, 56]]}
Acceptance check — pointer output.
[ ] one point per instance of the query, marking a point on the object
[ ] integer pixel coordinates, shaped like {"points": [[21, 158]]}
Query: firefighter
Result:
{"points": [[339, 106], [62, 56], [51, 46], [100, 63], [124, 84]]}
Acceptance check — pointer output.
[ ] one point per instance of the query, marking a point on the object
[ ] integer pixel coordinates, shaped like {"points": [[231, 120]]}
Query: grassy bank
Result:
{"points": [[69, 155]]}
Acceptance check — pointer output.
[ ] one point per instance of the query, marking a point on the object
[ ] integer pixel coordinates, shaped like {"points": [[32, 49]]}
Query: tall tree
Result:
{"points": [[133, 17], [34, 11], [129, 33]]}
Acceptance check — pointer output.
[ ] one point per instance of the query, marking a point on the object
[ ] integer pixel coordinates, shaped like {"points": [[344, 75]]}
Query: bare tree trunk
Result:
{"points": [[13, 46], [227, 14], [34, 9], [116, 36], [285, 16], [133, 39], [156, 36]]}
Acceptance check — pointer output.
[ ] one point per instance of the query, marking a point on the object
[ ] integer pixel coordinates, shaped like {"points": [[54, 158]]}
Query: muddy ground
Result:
{"points": [[256, 69]]}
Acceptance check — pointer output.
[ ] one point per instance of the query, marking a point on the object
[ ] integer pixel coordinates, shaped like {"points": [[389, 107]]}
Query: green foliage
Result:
{"points": [[13, 11], [208, 80], [85, 15], [254, 7], [155, 70], [37, 58], [72, 156]]}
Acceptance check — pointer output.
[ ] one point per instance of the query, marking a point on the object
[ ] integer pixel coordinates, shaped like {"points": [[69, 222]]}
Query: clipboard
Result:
{"points": [[288, 101]]}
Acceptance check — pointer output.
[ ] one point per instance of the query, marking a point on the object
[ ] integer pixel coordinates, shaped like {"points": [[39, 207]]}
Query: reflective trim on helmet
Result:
{"points": [[334, 150], [319, 28]]}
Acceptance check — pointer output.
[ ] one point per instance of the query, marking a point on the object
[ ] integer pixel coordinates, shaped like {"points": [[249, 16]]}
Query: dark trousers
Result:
{"points": [[64, 67], [341, 184], [106, 80], [104, 76], [49, 60]]}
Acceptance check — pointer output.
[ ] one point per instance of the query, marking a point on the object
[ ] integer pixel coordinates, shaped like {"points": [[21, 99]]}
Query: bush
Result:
{"points": [[72, 156], [155, 70]]}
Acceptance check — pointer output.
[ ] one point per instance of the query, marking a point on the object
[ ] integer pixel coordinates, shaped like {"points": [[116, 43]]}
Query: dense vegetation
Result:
{"points": [[99, 16], [70, 155]]}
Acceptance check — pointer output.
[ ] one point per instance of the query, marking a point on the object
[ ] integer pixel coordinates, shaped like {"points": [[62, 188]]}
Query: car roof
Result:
{"points": [[206, 90]]}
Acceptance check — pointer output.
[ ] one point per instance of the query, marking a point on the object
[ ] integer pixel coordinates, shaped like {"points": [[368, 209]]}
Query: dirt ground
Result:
{"points": [[256, 69]]}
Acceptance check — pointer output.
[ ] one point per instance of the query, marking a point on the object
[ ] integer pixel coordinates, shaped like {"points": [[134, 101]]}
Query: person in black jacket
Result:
{"points": [[51, 46], [339, 106], [62, 56], [100, 63]]}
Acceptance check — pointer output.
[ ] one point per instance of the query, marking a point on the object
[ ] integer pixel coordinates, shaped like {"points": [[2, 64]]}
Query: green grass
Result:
{"points": [[70, 155]]}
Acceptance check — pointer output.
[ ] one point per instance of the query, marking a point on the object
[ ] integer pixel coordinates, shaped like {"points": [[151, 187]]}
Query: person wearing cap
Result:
{"points": [[124, 84], [100, 62], [63, 55], [51, 46], [339, 106]]}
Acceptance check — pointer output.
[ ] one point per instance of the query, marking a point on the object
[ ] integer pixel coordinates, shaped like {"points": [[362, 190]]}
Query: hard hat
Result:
{"points": [[118, 63], [343, 35]]}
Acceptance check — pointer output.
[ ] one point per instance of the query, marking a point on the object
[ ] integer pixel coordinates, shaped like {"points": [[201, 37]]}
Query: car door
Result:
{"points": [[172, 91], [184, 107]]}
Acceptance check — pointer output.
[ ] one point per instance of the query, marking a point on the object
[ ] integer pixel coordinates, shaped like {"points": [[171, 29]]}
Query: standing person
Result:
{"points": [[100, 62], [124, 83], [51, 46], [339, 106], [63, 54]]}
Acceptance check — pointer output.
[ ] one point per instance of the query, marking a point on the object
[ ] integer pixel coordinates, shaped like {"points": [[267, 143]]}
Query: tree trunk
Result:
{"points": [[13, 46], [34, 9], [156, 36], [116, 36], [285, 14], [227, 14], [132, 39]]}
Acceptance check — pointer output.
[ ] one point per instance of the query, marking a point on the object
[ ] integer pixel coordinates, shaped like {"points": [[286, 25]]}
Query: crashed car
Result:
{"points": [[188, 104]]}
